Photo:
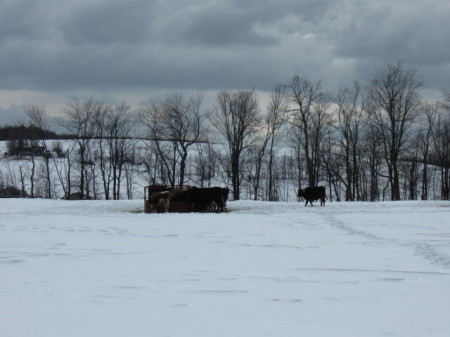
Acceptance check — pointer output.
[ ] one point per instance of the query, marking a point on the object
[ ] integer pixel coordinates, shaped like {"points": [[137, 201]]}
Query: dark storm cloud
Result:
{"points": [[223, 30], [103, 44], [18, 20], [234, 22], [99, 45], [116, 22]]}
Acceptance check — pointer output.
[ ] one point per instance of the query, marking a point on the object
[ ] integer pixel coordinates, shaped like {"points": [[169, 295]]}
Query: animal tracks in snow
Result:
{"points": [[350, 230], [431, 254], [425, 250]]}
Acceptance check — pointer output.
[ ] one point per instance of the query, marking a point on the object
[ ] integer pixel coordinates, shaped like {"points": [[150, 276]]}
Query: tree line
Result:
{"points": [[26, 132], [378, 141]]}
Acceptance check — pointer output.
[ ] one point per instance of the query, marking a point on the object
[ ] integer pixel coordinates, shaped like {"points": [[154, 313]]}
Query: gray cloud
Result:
{"points": [[13, 115], [125, 46], [223, 30], [411, 31], [105, 23], [18, 20]]}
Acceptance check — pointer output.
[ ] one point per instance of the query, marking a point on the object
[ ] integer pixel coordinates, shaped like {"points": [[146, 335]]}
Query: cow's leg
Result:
{"points": [[166, 205]]}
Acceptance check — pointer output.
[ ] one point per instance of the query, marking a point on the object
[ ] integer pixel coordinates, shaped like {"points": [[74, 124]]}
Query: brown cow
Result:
{"points": [[160, 201]]}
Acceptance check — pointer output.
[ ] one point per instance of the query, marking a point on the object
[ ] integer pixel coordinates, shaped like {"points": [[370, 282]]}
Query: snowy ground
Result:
{"points": [[102, 268]]}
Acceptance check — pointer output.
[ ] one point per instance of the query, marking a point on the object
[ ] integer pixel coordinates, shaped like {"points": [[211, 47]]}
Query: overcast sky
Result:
{"points": [[133, 50]]}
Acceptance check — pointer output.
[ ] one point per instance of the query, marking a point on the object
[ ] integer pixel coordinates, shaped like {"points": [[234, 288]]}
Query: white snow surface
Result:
{"points": [[104, 268]]}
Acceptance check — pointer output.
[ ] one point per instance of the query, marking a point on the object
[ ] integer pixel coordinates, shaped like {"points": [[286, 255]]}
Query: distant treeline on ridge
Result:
{"points": [[27, 132]]}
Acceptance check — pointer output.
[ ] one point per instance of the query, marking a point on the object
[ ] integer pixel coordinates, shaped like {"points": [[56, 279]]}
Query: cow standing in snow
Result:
{"points": [[160, 201], [312, 193], [208, 199]]}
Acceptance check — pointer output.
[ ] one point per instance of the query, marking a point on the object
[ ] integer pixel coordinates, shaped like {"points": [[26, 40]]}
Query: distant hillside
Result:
{"points": [[26, 132]]}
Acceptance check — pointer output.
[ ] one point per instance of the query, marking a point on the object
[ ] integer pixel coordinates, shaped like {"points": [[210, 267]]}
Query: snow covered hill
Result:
{"points": [[104, 268]]}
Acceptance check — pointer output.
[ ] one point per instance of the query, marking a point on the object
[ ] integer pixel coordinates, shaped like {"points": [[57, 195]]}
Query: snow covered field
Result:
{"points": [[103, 268]]}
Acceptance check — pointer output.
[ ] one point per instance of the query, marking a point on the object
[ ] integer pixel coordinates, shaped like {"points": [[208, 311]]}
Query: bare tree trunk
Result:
{"points": [[38, 119], [33, 171], [259, 158], [271, 188], [69, 175], [22, 181], [394, 106]]}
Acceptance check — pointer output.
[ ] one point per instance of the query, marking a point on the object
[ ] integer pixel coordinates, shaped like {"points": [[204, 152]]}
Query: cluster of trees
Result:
{"points": [[25, 132], [372, 142]]}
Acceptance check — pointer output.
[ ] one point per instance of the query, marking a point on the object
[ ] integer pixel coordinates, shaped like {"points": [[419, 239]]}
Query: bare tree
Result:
{"points": [[164, 160], [206, 163], [236, 118], [393, 107], [38, 118], [174, 125], [114, 126], [63, 167], [349, 124], [424, 141], [441, 145], [371, 144], [295, 142], [274, 121], [120, 125], [309, 117], [103, 150], [80, 121], [334, 164], [183, 120]]}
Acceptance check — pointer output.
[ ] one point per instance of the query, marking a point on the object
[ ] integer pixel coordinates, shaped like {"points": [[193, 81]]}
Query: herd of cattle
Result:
{"points": [[192, 198], [214, 199]]}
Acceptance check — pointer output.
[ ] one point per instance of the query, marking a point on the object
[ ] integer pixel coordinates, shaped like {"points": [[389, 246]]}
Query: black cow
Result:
{"points": [[220, 198], [313, 193], [204, 199]]}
